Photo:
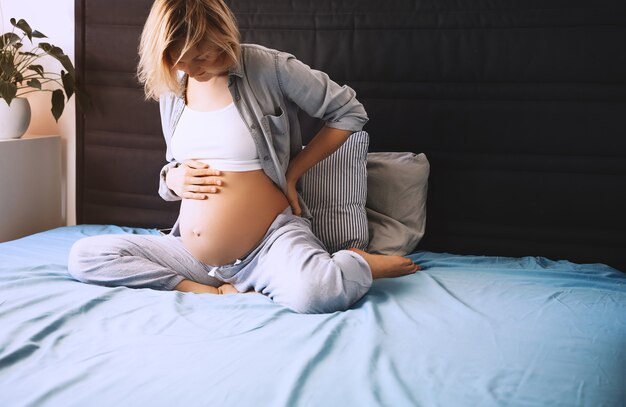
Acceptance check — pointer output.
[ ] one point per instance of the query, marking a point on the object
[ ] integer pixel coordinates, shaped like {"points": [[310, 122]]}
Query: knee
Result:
{"points": [[329, 286], [314, 297], [86, 258], [76, 264]]}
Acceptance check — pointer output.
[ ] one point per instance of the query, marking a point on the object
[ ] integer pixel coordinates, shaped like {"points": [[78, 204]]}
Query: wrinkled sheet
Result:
{"points": [[467, 330]]}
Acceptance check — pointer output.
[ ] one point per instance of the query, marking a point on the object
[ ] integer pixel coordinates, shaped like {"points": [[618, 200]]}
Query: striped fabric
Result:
{"points": [[335, 190]]}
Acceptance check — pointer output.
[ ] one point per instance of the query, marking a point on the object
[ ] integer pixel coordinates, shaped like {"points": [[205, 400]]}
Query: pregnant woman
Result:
{"points": [[229, 116]]}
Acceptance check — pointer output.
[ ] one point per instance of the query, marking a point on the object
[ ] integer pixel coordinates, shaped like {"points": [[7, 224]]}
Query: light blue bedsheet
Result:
{"points": [[466, 331]]}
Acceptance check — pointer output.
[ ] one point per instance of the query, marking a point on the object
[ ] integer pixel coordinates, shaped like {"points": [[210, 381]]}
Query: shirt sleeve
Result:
{"points": [[167, 194], [319, 96]]}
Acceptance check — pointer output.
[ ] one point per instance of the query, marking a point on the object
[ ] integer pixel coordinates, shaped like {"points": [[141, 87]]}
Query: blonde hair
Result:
{"points": [[186, 22]]}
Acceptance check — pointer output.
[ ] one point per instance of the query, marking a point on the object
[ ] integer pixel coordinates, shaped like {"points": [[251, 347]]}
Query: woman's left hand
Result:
{"points": [[292, 197]]}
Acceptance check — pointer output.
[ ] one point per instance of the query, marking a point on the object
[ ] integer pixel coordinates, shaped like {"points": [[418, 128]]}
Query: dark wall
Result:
{"points": [[519, 107]]}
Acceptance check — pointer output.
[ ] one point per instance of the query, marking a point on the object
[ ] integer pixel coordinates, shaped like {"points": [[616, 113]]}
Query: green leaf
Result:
{"points": [[8, 39], [8, 91], [58, 104], [37, 68], [37, 34], [68, 83], [7, 67], [30, 54], [23, 25], [58, 54], [34, 83]]}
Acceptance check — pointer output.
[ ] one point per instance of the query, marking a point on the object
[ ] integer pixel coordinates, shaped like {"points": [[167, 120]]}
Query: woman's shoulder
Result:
{"points": [[259, 51], [261, 56]]}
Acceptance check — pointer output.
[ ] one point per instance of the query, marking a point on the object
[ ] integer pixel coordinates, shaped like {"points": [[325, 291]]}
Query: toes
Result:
{"points": [[414, 268], [408, 263]]}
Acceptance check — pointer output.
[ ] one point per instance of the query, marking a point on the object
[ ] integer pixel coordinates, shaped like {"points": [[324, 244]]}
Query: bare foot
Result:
{"points": [[384, 266], [227, 289], [191, 286]]}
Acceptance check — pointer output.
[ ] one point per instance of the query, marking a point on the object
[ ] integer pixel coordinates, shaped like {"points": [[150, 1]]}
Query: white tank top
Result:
{"points": [[219, 138]]}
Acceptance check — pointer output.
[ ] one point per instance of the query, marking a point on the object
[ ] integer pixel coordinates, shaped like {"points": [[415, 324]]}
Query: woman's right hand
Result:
{"points": [[193, 180]]}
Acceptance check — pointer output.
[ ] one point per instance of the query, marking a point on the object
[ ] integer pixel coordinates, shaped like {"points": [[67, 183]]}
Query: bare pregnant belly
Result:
{"points": [[232, 222]]}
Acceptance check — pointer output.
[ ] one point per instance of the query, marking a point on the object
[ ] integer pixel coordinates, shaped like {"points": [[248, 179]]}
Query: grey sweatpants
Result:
{"points": [[290, 266]]}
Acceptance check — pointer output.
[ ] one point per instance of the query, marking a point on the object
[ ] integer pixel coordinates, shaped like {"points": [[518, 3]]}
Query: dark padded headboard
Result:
{"points": [[519, 106]]}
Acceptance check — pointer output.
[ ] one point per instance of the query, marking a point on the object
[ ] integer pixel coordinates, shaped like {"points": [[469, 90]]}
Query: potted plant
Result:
{"points": [[20, 74]]}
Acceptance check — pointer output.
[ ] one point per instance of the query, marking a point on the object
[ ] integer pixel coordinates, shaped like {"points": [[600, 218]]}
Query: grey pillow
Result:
{"points": [[335, 191], [397, 185]]}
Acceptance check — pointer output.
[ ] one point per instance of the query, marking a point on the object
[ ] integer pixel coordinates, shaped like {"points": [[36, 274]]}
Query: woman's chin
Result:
{"points": [[202, 78], [205, 77]]}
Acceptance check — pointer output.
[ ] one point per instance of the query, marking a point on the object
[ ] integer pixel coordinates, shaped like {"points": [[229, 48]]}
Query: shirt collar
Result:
{"points": [[236, 69]]}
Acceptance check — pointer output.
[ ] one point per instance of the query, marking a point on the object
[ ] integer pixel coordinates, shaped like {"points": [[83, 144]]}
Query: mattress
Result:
{"points": [[467, 330]]}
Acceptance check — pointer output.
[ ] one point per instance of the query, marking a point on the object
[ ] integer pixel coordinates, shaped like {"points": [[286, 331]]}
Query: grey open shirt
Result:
{"points": [[268, 87]]}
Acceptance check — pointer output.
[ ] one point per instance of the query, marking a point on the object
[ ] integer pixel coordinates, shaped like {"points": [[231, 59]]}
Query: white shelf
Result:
{"points": [[30, 186]]}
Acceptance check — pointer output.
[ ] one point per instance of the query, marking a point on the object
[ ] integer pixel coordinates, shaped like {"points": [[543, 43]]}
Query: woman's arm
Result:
{"points": [[318, 95], [321, 146]]}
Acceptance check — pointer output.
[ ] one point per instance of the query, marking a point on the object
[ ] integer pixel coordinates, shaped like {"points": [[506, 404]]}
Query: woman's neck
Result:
{"points": [[208, 95]]}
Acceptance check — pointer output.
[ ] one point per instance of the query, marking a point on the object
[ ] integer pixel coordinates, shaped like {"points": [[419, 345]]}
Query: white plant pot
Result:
{"points": [[14, 119]]}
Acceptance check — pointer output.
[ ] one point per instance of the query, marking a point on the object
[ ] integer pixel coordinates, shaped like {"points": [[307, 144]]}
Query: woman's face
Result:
{"points": [[201, 62]]}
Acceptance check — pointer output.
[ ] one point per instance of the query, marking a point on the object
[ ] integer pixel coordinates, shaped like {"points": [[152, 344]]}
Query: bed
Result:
{"points": [[522, 296]]}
